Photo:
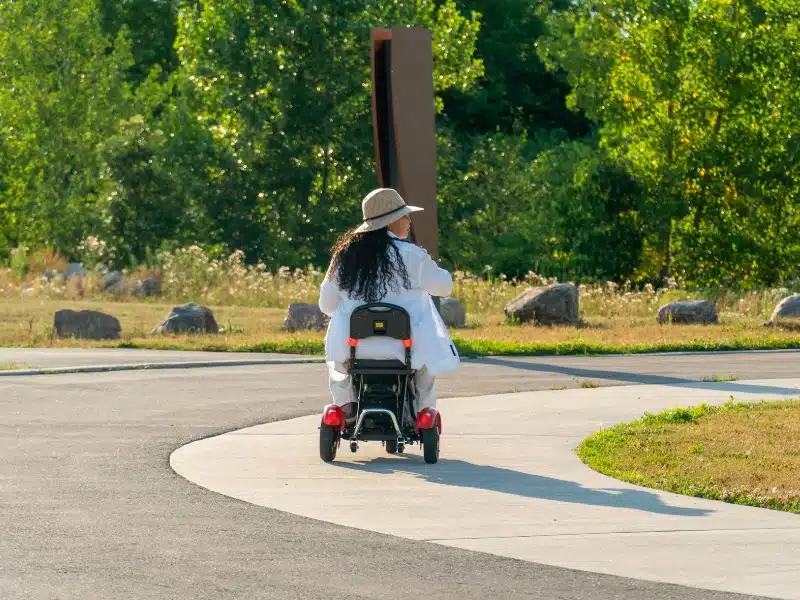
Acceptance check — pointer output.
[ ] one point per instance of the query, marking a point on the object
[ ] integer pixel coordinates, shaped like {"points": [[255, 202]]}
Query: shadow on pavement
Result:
{"points": [[640, 378], [460, 473]]}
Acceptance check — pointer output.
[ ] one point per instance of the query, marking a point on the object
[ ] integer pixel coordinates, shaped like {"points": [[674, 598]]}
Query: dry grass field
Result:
{"points": [[28, 322], [250, 303]]}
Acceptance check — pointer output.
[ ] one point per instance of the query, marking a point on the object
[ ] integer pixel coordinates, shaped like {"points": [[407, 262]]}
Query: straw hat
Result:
{"points": [[383, 207]]}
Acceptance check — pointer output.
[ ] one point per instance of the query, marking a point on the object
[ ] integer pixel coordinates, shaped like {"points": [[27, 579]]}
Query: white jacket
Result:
{"points": [[432, 346]]}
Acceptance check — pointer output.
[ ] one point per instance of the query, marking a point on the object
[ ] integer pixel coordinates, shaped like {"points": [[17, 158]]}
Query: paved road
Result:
{"points": [[49, 358], [90, 508], [490, 374]]}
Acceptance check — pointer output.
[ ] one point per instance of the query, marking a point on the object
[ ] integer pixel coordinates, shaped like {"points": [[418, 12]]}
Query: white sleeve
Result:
{"points": [[330, 296], [433, 279]]}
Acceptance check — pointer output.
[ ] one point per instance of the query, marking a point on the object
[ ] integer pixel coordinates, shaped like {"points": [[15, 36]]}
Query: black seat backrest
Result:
{"points": [[380, 319]]}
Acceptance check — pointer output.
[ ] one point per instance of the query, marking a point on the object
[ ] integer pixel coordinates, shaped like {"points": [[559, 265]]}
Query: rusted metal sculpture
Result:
{"points": [[403, 123]]}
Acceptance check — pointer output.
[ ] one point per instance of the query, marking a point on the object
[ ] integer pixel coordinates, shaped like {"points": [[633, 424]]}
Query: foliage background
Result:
{"points": [[624, 139]]}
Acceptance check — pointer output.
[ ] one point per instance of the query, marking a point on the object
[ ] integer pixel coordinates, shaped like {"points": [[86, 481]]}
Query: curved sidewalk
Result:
{"points": [[509, 484]]}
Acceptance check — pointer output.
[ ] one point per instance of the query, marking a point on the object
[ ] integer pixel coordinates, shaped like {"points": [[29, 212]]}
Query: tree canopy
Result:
{"points": [[589, 140]]}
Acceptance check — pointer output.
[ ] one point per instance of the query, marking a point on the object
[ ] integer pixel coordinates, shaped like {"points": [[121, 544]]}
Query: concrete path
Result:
{"points": [[509, 484]]}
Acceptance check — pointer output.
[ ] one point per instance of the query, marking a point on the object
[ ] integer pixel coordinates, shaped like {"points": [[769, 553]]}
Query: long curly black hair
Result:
{"points": [[367, 265]]}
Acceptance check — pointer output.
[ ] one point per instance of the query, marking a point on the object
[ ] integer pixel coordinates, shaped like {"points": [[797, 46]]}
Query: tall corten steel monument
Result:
{"points": [[403, 123]]}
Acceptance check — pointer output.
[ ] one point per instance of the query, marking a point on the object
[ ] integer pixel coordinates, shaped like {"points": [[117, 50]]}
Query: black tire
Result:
{"points": [[328, 442], [391, 446], [430, 445]]}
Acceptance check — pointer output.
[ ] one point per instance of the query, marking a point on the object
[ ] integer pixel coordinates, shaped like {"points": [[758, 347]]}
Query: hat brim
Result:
{"points": [[375, 224]]}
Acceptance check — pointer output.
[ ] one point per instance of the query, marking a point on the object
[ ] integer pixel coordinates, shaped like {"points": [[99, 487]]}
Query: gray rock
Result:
{"points": [[112, 279], [688, 312], [453, 313], [86, 324], [787, 309], [122, 287], [304, 316], [75, 270], [188, 318], [148, 287], [555, 304]]}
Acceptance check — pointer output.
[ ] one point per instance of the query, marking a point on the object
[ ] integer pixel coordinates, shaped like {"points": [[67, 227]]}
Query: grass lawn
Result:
{"points": [[743, 453], [28, 322]]}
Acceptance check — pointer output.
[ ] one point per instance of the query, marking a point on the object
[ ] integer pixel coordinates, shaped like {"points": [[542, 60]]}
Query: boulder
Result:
{"points": [[112, 279], [148, 287], [75, 270], [304, 316], [787, 309], [188, 318], [555, 304], [86, 325], [453, 313], [116, 284], [688, 312]]}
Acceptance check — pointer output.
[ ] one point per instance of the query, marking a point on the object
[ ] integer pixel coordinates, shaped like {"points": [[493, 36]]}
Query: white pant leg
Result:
{"points": [[341, 387], [426, 389], [341, 384]]}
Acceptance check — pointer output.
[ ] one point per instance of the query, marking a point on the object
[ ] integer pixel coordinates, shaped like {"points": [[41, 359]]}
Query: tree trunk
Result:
{"points": [[666, 247]]}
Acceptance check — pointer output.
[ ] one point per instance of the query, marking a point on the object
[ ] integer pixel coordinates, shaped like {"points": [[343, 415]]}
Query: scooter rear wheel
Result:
{"points": [[430, 445], [328, 443]]}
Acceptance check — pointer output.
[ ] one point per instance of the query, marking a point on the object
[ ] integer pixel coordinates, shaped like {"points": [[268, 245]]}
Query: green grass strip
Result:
{"points": [[471, 347], [304, 347], [604, 451]]}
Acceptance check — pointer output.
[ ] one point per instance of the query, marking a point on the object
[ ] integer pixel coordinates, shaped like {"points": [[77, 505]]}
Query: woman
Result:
{"points": [[375, 263]]}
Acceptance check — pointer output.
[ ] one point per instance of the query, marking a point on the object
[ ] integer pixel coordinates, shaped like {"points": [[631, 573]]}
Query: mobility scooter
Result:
{"points": [[385, 393]]}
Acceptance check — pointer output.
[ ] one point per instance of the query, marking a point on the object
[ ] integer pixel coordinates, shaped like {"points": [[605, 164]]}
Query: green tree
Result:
{"points": [[62, 91], [164, 174], [484, 193], [699, 99], [587, 212], [743, 226], [151, 26], [516, 92], [547, 205], [285, 89]]}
